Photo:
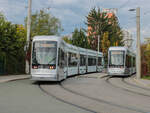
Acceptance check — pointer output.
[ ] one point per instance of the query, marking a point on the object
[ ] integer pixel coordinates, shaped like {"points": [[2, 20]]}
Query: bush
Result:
{"points": [[12, 42]]}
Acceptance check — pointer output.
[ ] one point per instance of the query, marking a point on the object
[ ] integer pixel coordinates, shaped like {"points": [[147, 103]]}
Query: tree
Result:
{"points": [[12, 41], [105, 42], [98, 23], [115, 32], [79, 38], [67, 40], [105, 45], [43, 23]]}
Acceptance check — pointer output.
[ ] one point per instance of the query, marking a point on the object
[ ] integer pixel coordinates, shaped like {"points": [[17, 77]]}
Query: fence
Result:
{"points": [[2, 63]]}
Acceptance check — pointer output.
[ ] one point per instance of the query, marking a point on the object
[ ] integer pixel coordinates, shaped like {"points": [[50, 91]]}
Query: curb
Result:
{"points": [[141, 83], [14, 79], [90, 76]]}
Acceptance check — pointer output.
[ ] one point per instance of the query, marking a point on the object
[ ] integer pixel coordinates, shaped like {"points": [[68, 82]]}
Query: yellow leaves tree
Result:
{"points": [[147, 54], [67, 40], [21, 32], [145, 58], [105, 42], [105, 45]]}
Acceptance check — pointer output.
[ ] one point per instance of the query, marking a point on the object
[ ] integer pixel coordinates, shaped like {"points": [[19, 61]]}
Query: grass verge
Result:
{"points": [[146, 77]]}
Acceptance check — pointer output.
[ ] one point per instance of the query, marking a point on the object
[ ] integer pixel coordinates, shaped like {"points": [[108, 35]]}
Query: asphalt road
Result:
{"points": [[80, 94], [24, 97]]}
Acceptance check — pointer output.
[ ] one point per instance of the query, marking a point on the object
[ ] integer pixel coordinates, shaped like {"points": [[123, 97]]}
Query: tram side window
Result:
{"points": [[82, 60], [133, 61], [99, 61], [72, 60], [91, 61], [128, 61], [61, 59], [94, 61]]}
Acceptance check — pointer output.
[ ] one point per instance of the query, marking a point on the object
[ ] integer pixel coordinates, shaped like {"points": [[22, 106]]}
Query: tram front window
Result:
{"points": [[44, 54], [116, 58]]}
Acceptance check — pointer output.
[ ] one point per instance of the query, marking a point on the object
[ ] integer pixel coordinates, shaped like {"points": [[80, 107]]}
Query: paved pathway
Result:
{"points": [[6, 78]]}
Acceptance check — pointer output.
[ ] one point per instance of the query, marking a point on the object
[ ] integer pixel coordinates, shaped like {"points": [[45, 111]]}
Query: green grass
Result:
{"points": [[146, 77]]}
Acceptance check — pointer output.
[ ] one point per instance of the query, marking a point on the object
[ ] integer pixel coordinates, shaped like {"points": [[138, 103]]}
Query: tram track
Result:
{"points": [[123, 80], [64, 101], [57, 98], [126, 89], [102, 101], [91, 98], [62, 86]]}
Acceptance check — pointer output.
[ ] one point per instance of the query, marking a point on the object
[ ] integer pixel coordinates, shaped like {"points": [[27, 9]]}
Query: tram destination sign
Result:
{"points": [[38, 44], [116, 52]]}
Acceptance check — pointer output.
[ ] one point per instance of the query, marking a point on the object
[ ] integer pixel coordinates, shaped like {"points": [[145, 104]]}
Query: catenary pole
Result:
{"points": [[138, 57], [28, 34], [98, 43]]}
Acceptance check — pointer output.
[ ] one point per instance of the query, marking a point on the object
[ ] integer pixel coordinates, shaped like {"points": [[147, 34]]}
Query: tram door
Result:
{"points": [[61, 64]]}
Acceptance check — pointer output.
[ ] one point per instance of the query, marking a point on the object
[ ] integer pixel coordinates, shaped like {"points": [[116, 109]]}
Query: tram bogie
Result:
{"points": [[54, 60]]}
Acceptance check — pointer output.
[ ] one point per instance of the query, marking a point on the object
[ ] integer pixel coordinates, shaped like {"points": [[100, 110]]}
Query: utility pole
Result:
{"points": [[138, 57], [28, 34], [97, 52], [98, 43]]}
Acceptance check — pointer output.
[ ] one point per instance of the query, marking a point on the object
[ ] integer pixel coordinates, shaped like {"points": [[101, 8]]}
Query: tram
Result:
{"points": [[121, 61], [53, 59]]}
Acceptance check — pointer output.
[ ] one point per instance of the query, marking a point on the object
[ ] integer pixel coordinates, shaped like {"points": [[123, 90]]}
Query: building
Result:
{"points": [[127, 39], [110, 12]]}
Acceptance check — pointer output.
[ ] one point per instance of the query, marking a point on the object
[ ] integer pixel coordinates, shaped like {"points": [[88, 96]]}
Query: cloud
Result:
{"points": [[62, 2], [72, 12], [13, 10]]}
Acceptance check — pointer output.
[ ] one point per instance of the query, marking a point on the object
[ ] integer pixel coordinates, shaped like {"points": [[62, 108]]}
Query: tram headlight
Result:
{"points": [[51, 67], [35, 67], [121, 67]]}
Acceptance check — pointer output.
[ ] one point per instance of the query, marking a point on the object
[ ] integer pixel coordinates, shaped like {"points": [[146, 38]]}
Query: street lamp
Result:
{"points": [[132, 9], [138, 48]]}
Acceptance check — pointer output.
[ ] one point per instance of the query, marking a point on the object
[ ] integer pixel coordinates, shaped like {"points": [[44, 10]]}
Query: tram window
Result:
{"points": [[116, 58], [69, 59], [133, 61], [58, 56], [62, 55], [99, 61], [91, 61], [72, 59], [61, 58], [82, 60], [128, 61], [94, 61]]}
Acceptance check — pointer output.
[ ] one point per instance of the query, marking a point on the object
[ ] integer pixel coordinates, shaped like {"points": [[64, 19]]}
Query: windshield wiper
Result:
{"points": [[51, 60]]}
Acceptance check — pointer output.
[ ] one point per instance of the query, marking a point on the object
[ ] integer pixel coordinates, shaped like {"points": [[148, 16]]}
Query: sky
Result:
{"points": [[72, 13]]}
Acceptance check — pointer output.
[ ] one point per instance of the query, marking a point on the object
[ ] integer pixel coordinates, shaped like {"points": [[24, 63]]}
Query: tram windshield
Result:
{"points": [[116, 58], [44, 53]]}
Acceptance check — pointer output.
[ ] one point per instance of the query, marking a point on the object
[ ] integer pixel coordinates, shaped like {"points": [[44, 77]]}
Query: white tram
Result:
{"points": [[121, 61], [54, 60]]}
